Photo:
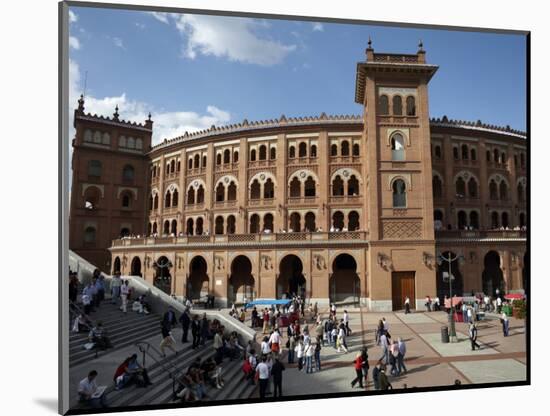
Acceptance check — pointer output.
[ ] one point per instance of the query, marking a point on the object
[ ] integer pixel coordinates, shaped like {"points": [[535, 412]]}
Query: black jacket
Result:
{"points": [[185, 320], [277, 370]]}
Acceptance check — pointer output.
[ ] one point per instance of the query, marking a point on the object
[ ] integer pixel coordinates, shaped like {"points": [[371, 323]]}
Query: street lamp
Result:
{"points": [[449, 260]]}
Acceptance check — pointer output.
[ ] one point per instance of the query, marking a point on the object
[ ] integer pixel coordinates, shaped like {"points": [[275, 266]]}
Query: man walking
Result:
{"points": [[505, 324], [401, 357], [383, 379], [384, 345], [185, 321], [195, 331], [262, 371], [124, 293], [116, 282], [277, 373], [407, 305], [473, 336]]}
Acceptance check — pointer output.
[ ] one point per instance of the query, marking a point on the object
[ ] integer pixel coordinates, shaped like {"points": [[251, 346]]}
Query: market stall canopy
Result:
{"points": [[268, 302], [512, 296], [456, 300]]}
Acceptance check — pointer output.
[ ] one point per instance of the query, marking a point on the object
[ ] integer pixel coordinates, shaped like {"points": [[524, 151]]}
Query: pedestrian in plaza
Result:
{"points": [[116, 283], [505, 324], [88, 391], [308, 353], [73, 286], [386, 325], [277, 374], [365, 366], [205, 329], [401, 357], [407, 305], [98, 335], [384, 346], [170, 317], [196, 331], [185, 321], [469, 315], [428, 304], [499, 303], [317, 354], [472, 332], [218, 347], [124, 294], [341, 340], [299, 349], [393, 355], [291, 345], [264, 346], [464, 309], [379, 331], [346, 322], [167, 339], [358, 366], [383, 379], [437, 305], [376, 375], [328, 329], [275, 341], [265, 318], [262, 374]]}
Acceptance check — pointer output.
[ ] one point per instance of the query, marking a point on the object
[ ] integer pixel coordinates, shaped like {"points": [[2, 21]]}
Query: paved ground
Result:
{"points": [[429, 361]]}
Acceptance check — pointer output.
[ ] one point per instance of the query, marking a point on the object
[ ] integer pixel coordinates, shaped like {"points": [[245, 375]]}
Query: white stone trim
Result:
{"points": [[298, 135], [344, 134], [227, 143], [261, 139]]}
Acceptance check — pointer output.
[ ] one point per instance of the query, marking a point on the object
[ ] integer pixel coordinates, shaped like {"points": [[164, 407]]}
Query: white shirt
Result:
{"points": [[299, 350], [309, 350], [383, 341], [265, 348], [125, 289], [87, 387], [263, 371], [252, 361], [346, 317], [499, 301], [386, 326], [275, 338]]}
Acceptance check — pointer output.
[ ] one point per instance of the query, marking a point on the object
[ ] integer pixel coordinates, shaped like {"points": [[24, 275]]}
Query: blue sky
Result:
{"points": [[194, 71]]}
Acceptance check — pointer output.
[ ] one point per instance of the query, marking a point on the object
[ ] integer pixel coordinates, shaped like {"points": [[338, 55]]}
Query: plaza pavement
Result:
{"points": [[429, 361]]}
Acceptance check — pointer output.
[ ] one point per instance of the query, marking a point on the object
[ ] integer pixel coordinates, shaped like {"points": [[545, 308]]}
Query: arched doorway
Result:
{"points": [[163, 277], [240, 287], [291, 280], [198, 282], [344, 283], [492, 277], [136, 267], [116, 265], [442, 284]]}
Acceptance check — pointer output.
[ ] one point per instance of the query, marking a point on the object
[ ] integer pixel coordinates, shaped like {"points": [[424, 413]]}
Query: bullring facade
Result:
{"points": [[352, 209]]}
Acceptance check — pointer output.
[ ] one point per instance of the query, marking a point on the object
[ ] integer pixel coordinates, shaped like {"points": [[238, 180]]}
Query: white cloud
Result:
{"points": [[167, 124], [234, 38], [318, 27], [118, 43], [74, 43], [161, 16], [73, 17], [140, 25]]}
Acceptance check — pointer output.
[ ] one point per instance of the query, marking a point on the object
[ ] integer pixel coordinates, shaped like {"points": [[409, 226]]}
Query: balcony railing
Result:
{"points": [[481, 234], [245, 238]]}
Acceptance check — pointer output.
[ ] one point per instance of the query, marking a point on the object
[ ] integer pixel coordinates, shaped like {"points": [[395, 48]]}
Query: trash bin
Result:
{"points": [[444, 335]]}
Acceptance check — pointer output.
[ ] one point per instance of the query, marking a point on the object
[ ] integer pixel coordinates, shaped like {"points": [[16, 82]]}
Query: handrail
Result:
{"points": [[144, 348]]}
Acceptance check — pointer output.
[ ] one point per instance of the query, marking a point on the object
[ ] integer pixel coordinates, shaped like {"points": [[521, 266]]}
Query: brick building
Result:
{"points": [[339, 208]]}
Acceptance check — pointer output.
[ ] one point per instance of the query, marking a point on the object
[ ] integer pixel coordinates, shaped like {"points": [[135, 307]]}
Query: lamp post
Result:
{"points": [[449, 260]]}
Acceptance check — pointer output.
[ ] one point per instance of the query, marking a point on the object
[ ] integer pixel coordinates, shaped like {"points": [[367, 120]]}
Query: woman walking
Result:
{"points": [[358, 365]]}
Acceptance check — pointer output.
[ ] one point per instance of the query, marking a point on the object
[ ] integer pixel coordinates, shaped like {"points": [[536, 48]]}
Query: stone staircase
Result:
{"points": [[122, 329]]}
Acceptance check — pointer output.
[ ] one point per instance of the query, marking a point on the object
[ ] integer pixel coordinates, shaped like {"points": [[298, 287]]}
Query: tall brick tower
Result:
{"points": [[393, 88], [109, 182]]}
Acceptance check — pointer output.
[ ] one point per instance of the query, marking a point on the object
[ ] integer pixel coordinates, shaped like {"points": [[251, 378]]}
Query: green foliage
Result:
{"points": [[520, 308]]}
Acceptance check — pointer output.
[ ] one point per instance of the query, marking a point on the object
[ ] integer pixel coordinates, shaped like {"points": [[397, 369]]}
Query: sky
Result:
{"points": [[193, 71]]}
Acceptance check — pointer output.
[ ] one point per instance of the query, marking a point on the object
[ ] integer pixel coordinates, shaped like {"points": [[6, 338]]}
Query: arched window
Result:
{"points": [[235, 156], [397, 105], [399, 194], [191, 196], [474, 220], [128, 174], [455, 153], [166, 228], [438, 152], [503, 191], [226, 156], [218, 229], [309, 220], [295, 222], [493, 190], [295, 187], [156, 201], [496, 155], [167, 199], [174, 227], [172, 166], [337, 186], [344, 151], [397, 147], [255, 189], [353, 186], [253, 155], [465, 152], [199, 225], [89, 235], [200, 195], [494, 219], [126, 198], [232, 191], [150, 202], [472, 188], [167, 168], [411, 106], [263, 152], [334, 150], [231, 224], [197, 161], [269, 189], [504, 221], [189, 228], [503, 158], [383, 105], [460, 187], [488, 155], [254, 224], [220, 192], [190, 163], [309, 187], [356, 149], [291, 152], [437, 187], [178, 166], [521, 193], [94, 168], [175, 197], [473, 154], [155, 229], [273, 153], [149, 228], [219, 159], [438, 215], [131, 143], [353, 221], [302, 149], [462, 220], [91, 197], [313, 151], [268, 222], [204, 161], [338, 220], [522, 220]]}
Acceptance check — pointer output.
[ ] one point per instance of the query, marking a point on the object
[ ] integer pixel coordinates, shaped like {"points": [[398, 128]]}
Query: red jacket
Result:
{"points": [[120, 370], [358, 363]]}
